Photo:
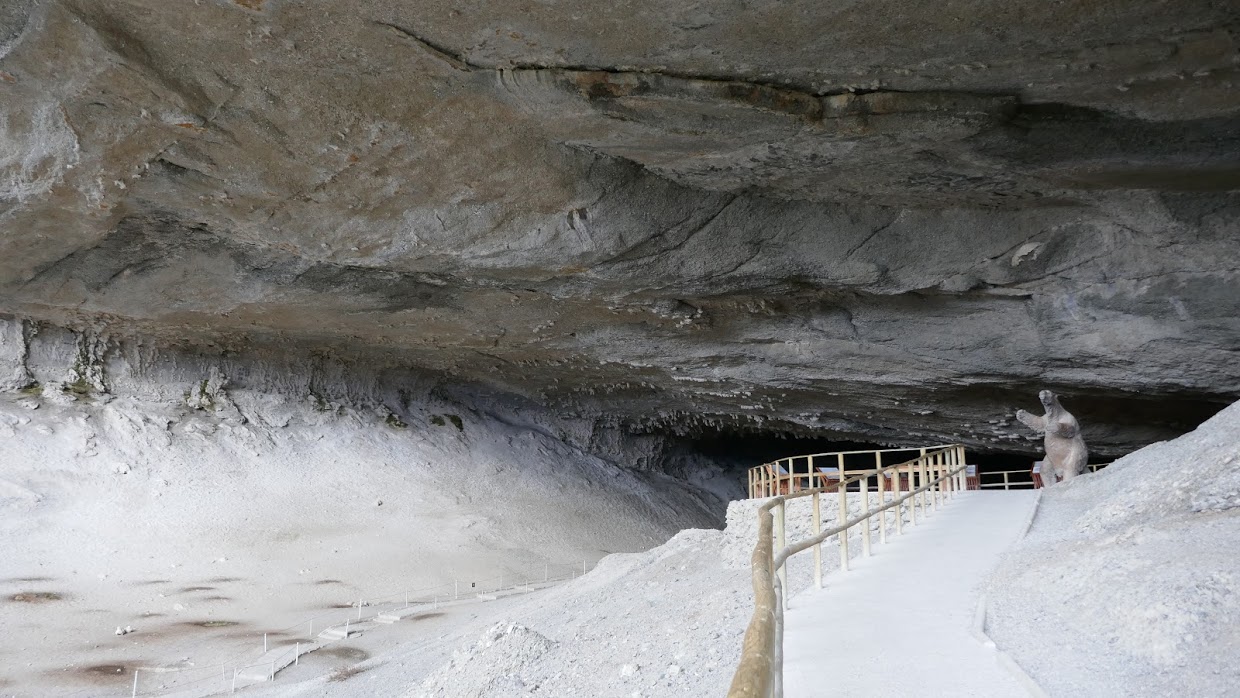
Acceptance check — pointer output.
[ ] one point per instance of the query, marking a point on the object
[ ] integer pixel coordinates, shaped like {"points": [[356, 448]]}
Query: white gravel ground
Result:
{"points": [[206, 520], [254, 516], [1126, 585], [1129, 580], [666, 622]]}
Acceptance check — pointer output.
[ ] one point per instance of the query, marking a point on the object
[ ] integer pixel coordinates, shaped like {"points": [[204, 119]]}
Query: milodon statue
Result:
{"points": [[1065, 449]]}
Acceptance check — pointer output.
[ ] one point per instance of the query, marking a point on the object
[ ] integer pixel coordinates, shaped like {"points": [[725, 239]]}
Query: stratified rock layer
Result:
{"points": [[890, 220]]}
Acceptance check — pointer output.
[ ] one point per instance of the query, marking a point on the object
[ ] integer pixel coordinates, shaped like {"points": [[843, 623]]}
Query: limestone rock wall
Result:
{"points": [[894, 221]]}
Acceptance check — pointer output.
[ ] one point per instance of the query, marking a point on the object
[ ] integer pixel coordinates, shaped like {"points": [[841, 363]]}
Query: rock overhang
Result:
{"points": [[885, 221]]}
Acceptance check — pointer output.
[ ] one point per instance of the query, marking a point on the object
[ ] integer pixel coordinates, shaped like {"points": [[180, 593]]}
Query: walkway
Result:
{"points": [[899, 623]]}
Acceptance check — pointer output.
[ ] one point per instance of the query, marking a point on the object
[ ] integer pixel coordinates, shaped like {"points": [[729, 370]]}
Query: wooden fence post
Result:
{"points": [[925, 499], [865, 507], [882, 497], [897, 492], [817, 546], [780, 521], [842, 517]]}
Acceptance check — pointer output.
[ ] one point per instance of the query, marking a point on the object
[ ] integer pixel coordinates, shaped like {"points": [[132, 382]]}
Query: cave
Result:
{"points": [[892, 248], [738, 450], [321, 298]]}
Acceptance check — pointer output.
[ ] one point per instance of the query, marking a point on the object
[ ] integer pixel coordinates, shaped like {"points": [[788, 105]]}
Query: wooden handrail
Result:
{"points": [[754, 672], [766, 480], [872, 450], [760, 671]]}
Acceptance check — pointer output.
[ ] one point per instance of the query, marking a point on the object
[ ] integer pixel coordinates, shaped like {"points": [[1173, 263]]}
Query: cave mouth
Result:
{"points": [[736, 451]]}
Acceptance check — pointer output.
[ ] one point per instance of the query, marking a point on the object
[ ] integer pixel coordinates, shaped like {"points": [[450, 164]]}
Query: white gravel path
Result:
{"points": [[899, 623]]}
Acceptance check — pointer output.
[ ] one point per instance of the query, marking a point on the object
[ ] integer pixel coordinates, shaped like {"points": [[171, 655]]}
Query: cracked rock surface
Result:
{"points": [[894, 221]]}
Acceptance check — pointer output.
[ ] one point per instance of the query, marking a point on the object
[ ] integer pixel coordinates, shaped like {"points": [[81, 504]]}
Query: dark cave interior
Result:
{"points": [[740, 450]]}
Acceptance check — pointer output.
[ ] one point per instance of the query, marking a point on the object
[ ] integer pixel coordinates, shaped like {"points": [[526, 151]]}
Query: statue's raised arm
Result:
{"points": [[1032, 421]]}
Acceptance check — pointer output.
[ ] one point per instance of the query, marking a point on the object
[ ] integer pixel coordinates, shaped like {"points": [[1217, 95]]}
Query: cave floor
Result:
{"points": [[900, 622]]}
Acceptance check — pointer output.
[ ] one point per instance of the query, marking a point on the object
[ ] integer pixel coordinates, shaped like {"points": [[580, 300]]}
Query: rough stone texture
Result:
{"points": [[13, 348], [1124, 584], [887, 219]]}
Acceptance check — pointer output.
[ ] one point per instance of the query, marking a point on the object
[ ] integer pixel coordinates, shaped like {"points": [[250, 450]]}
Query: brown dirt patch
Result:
{"points": [[115, 672], [211, 624], [107, 670], [36, 597], [345, 673], [348, 654]]}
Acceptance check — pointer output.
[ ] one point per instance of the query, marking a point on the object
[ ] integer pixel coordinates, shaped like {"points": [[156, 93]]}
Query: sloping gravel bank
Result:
{"points": [[1129, 580]]}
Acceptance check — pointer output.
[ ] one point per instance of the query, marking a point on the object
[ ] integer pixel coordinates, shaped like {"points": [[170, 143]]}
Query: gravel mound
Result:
{"points": [[1129, 580], [266, 509], [493, 666], [665, 622]]}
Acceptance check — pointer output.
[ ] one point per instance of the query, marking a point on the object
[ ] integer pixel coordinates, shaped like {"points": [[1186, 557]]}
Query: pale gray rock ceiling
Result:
{"points": [[895, 220]]}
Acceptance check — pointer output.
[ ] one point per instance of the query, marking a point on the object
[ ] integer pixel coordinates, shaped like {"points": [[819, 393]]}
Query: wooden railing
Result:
{"points": [[1024, 479], [795, 473], [936, 474]]}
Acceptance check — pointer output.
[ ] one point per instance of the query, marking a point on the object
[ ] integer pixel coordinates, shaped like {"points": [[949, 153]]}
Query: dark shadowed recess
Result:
{"points": [[741, 450], [1115, 422], [737, 449]]}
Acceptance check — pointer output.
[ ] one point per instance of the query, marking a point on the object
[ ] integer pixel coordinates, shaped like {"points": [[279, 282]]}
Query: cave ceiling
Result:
{"points": [[885, 219]]}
